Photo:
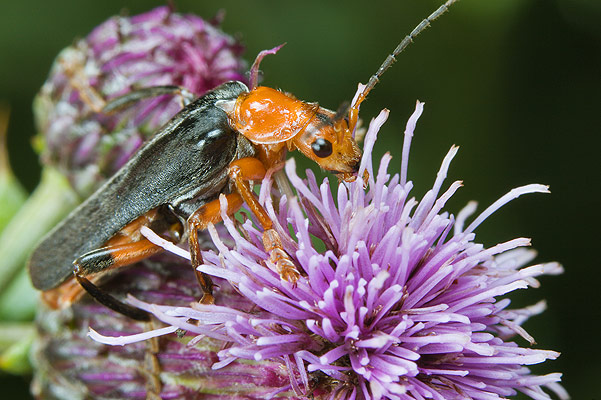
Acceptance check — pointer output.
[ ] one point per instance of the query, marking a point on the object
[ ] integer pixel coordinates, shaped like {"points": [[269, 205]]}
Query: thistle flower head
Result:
{"points": [[68, 365], [397, 299], [121, 55]]}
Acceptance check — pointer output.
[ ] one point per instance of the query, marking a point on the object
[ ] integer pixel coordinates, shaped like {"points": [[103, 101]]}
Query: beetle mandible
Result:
{"points": [[215, 145]]}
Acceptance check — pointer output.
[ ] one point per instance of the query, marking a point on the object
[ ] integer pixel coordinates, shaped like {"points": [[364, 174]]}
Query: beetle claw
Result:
{"points": [[288, 271], [207, 299], [282, 261]]}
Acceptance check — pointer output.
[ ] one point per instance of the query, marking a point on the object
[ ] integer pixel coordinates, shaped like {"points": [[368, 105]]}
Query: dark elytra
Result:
{"points": [[184, 166]]}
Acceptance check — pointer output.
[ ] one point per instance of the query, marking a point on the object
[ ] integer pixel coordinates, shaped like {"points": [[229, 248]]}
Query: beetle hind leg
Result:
{"points": [[114, 256], [111, 257], [111, 302]]}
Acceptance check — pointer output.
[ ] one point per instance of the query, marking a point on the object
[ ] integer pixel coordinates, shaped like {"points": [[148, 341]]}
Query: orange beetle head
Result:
{"points": [[268, 117], [328, 141]]}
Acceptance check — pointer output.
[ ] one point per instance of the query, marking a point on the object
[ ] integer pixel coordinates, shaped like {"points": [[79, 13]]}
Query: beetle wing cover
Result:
{"points": [[187, 159]]}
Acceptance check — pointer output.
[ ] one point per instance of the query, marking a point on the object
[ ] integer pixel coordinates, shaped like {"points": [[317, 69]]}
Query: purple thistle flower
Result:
{"points": [[123, 54], [397, 300]]}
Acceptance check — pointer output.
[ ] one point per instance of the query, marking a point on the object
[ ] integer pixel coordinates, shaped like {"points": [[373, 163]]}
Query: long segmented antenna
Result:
{"points": [[375, 78]]}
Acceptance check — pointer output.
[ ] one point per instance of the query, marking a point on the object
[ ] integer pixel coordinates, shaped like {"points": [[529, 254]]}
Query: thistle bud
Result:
{"points": [[88, 144], [70, 365], [122, 55]]}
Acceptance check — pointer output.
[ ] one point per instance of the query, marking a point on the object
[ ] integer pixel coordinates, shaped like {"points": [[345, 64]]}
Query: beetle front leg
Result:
{"points": [[249, 169], [199, 220]]}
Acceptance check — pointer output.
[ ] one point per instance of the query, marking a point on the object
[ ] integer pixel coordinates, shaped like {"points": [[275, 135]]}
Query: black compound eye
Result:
{"points": [[322, 148]]}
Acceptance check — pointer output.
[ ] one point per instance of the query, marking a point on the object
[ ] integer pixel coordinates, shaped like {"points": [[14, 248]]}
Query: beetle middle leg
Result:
{"points": [[92, 262], [240, 172], [200, 220], [74, 69]]}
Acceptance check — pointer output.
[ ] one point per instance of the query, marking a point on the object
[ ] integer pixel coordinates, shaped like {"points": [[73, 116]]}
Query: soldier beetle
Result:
{"points": [[215, 145]]}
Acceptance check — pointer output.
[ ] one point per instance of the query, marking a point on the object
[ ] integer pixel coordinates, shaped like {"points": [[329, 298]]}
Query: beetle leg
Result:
{"points": [[111, 302], [127, 247], [151, 369], [246, 169], [97, 103], [116, 255], [113, 257], [136, 95], [95, 100], [74, 70], [199, 220]]}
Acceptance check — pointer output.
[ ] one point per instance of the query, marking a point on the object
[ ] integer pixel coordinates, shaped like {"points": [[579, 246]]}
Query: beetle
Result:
{"points": [[215, 145]]}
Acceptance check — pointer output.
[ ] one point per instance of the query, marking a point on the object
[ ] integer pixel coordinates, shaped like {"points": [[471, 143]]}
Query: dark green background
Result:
{"points": [[515, 83]]}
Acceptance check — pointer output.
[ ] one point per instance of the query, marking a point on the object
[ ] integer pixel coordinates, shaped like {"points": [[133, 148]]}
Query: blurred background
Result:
{"points": [[515, 83]]}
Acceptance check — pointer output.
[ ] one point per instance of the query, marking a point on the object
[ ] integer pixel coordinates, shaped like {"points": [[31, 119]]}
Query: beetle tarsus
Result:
{"points": [[284, 265], [151, 369]]}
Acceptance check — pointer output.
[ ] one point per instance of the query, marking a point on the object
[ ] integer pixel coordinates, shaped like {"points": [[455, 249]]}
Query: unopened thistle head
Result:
{"points": [[397, 299], [68, 365], [121, 55]]}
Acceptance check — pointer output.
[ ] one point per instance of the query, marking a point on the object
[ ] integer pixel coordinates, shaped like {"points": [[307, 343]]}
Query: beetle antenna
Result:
{"points": [[374, 79], [342, 110], [254, 70]]}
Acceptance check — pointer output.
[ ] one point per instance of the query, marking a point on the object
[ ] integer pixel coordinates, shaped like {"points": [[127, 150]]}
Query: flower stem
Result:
{"points": [[15, 346], [12, 194], [19, 300]]}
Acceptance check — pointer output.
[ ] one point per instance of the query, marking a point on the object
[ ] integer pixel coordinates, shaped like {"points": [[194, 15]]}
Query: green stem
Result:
{"points": [[19, 300], [47, 205], [15, 347], [13, 332], [12, 194]]}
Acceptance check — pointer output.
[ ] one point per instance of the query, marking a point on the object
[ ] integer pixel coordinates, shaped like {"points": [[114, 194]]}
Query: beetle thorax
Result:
{"points": [[267, 116]]}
